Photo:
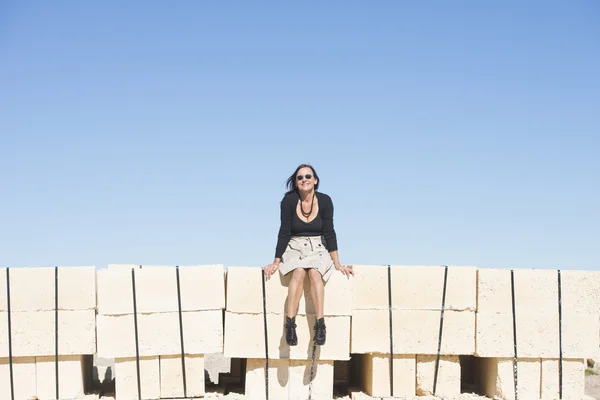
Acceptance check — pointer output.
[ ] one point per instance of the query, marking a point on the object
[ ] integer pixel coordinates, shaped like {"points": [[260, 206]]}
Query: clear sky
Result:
{"points": [[162, 133]]}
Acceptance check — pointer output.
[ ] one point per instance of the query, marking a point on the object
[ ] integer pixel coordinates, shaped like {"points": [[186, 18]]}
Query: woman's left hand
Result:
{"points": [[345, 269]]}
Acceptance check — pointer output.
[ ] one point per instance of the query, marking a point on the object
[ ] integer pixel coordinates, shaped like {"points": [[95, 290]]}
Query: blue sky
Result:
{"points": [[463, 133]]}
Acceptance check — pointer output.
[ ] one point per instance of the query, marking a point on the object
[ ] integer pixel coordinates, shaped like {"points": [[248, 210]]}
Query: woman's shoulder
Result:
{"points": [[323, 197], [290, 198]]}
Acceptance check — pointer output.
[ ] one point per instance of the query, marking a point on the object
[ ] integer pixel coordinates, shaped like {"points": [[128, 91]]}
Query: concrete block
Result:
{"points": [[159, 334], [33, 289], [536, 291], [115, 291], [156, 290], [376, 375], [289, 379], [580, 292], [573, 380], [448, 379], [70, 377], [171, 376], [23, 378], [537, 335], [33, 333], [244, 337], [202, 287], [244, 293], [498, 378], [126, 381], [414, 332], [422, 287], [76, 288], [370, 290]]}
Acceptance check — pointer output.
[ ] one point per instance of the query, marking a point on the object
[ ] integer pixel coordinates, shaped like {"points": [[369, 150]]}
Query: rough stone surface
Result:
{"points": [[376, 375], [23, 381], [499, 381], [414, 332], [448, 379], [126, 382], [70, 377], [171, 376], [159, 334], [33, 333], [573, 382], [537, 335], [289, 379]]}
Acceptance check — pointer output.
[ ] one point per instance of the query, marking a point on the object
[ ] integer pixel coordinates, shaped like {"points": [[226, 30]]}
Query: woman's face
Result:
{"points": [[307, 180]]}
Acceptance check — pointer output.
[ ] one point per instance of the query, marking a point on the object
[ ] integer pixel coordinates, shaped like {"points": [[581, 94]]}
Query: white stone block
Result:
{"points": [[536, 291], [414, 332], [244, 294], [171, 376], [370, 290], [33, 288], [422, 288], [33, 333], [201, 288], [70, 377], [376, 375], [580, 292], [76, 288], [573, 379], [159, 334], [23, 378], [244, 337], [126, 378], [448, 377], [537, 335], [499, 379], [289, 379]]}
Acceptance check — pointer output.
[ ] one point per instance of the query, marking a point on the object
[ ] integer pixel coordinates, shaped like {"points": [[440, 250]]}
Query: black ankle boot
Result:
{"points": [[290, 331], [320, 332]]}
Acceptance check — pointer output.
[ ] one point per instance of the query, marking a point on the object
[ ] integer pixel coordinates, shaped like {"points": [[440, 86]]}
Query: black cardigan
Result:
{"points": [[288, 210]]}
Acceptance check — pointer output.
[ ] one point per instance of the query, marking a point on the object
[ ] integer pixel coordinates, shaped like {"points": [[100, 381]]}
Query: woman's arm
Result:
{"points": [[331, 237], [283, 238]]}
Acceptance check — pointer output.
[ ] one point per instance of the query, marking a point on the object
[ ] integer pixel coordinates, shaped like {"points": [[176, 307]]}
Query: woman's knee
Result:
{"points": [[299, 274], [315, 276]]}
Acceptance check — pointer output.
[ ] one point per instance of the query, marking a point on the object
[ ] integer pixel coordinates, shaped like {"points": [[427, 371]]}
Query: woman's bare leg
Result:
{"points": [[317, 291], [295, 290]]}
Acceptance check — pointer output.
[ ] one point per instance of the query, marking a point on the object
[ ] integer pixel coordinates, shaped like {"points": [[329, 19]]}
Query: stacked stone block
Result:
{"points": [[158, 348], [289, 367], [537, 330], [416, 303], [34, 334]]}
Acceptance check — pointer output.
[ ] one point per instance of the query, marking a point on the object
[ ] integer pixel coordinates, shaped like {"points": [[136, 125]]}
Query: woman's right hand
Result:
{"points": [[270, 269]]}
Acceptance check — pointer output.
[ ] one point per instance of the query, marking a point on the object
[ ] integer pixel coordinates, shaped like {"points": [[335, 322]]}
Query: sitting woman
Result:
{"points": [[306, 245]]}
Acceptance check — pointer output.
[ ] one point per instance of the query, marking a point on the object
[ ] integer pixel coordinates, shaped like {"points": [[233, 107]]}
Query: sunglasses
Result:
{"points": [[300, 177]]}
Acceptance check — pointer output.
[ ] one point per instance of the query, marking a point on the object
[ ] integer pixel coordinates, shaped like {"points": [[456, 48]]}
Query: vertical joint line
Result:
{"points": [[181, 332], [10, 360], [391, 331], [56, 328], [437, 360], [560, 363], [137, 345], [514, 315], [264, 293]]}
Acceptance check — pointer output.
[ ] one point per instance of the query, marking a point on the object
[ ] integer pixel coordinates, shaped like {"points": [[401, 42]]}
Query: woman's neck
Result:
{"points": [[306, 195]]}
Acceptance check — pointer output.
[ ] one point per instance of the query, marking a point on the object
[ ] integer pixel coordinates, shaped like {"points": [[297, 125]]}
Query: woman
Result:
{"points": [[306, 246]]}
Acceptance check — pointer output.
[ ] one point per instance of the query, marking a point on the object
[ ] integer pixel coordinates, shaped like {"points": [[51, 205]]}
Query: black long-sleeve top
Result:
{"points": [[292, 225]]}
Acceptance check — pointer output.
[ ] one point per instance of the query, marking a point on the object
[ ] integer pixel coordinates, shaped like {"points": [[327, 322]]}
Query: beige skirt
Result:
{"points": [[307, 252]]}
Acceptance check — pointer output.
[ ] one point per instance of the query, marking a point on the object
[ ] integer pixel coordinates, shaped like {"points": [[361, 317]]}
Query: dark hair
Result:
{"points": [[291, 181]]}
